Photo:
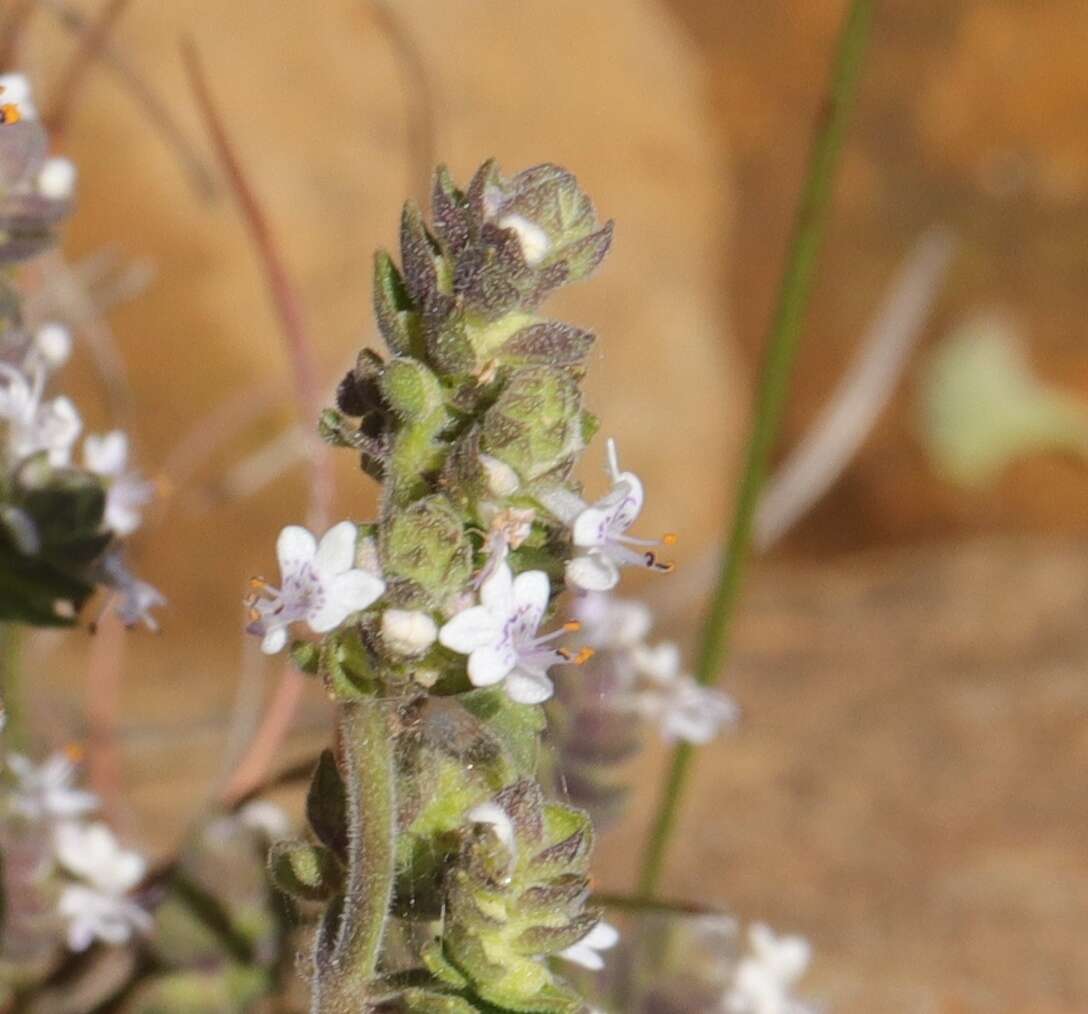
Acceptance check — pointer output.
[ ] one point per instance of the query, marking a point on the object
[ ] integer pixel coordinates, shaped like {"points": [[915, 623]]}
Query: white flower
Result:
{"points": [[533, 240], [15, 90], [34, 425], [98, 908], [135, 598], [660, 663], [764, 980], [408, 631], [53, 344], [127, 493], [610, 623], [321, 585], [587, 952], [57, 179], [499, 820], [44, 791], [687, 711], [499, 635], [599, 531]]}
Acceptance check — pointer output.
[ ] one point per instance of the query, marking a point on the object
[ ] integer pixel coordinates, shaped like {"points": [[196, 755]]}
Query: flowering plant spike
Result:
{"points": [[61, 524], [451, 883]]}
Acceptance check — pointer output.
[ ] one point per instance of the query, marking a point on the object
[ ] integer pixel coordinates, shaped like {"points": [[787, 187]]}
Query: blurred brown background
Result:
{"points": [[907, 788]]}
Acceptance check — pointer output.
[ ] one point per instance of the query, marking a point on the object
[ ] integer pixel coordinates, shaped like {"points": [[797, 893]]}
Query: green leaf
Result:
{"points": [[326, 805]]}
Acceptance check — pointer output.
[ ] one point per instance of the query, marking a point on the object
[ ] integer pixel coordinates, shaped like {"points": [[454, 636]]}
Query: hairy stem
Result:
{"points": [[348, 962], [781, 351]]}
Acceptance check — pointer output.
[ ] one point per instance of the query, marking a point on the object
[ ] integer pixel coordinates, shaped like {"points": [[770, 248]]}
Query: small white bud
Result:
{"points": [[408, 631], [534, 240], [502, 480], [53, 342], [495, 816], [57, 179]]}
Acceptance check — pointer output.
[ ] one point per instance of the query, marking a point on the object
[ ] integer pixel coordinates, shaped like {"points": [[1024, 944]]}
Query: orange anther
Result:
{"points": [[10, 113], [572, 626], [670, 538], [583, 656]]}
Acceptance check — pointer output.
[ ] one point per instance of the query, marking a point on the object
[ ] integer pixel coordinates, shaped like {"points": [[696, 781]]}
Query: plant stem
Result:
{"points": [[781, 351], [347, 965], [11, 689]]}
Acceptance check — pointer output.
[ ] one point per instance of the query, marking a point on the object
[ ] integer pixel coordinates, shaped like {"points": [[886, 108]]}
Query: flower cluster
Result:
{"points": [[79, 862], [60, 521], [649, 679], [764, 979], [630, 685]]}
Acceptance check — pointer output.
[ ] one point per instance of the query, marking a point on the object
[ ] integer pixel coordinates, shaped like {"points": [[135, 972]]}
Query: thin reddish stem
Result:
{"points": [[91, 44], [278, 717], [103, 702]]}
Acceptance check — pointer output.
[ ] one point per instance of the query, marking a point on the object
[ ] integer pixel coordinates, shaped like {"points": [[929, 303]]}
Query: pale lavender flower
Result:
{"points": [[499, 636], [321, 585], [599, 533], [127, 492], [45, 792], [34, 425], [764, 979]]}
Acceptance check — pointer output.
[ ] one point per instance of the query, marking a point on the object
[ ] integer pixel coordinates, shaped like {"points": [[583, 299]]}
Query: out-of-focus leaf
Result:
{"points": [[982, 408]]}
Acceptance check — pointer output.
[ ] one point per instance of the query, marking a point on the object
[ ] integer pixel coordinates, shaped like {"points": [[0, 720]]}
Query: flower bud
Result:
{"points": [[57, 179], [411, 390], [425, 553], [53, 342], [408, 631], [535, 426], [502, 480]]}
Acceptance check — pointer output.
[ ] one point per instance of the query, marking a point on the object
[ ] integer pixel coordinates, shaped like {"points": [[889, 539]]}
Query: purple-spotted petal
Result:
{"points": [[294, 548], [531, 591]]}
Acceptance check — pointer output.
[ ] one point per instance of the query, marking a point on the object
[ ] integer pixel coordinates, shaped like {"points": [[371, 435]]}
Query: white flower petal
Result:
{"points": [[603, 936], [592, 572], [497, 592], [336, 553], [531, 591], [345, 594], [489, 664], [274, 640], [590, 528], [470, 629], [527, 687], [294, 547], [106, 454]]}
